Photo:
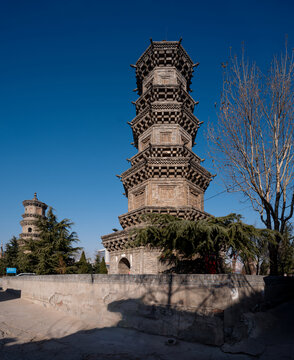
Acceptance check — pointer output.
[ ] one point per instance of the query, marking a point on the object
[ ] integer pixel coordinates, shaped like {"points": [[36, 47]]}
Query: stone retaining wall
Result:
{"points": [[203, 308]]}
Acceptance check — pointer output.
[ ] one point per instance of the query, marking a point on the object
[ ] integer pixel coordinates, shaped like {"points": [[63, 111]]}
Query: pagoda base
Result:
{"points": [[127, 260], [141, 260], [136, 261]]}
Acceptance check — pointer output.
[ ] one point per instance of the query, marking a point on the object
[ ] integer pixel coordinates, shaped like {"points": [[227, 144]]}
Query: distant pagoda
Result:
{"points": [[165, 175], [34, 210]]}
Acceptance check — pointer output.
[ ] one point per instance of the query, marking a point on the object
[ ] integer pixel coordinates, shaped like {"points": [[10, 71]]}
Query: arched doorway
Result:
{"points": [[124, 266]]}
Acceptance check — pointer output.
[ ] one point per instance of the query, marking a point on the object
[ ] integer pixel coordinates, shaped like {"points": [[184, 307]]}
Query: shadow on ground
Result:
{"points": [[108, 343], [257, 326], [250, 326], [9, 294]]}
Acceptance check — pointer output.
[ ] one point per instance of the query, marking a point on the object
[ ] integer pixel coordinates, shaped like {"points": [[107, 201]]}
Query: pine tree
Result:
{"points": [[9, 258], [26, 262], [54, 251], [200, 246], [11, 251], [2, 266], [103, 268], [84, 267], [96, 267]]}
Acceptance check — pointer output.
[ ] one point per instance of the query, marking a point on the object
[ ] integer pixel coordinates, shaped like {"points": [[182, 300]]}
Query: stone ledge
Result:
{"points": [[200, 280]]}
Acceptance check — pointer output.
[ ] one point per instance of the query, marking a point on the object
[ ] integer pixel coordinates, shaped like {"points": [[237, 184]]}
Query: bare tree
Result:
{"points": [[253, 140]]}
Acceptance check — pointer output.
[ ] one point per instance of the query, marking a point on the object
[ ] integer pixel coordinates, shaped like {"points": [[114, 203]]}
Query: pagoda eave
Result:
{"points": [[117, 240], [34, 202], [166, 167], [134, 218], [29, 235], [170, 150]]}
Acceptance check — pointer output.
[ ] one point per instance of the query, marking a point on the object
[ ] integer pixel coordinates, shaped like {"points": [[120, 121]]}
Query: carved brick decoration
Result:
{"points": [[165, 175]]}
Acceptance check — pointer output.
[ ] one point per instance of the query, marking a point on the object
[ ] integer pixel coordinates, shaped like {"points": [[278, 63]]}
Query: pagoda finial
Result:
{"points": [[35, 196]]}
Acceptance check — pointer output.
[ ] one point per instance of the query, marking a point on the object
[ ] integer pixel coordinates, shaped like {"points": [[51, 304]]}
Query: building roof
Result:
{"points": [[164, 53], [35, 202]]}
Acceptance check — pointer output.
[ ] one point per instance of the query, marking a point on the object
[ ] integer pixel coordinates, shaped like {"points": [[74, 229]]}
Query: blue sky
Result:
{"points": [[66, 91]]}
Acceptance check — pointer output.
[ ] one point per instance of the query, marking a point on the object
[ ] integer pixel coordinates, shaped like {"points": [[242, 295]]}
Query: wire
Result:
{"points": [[213, 196], [230, 188]]}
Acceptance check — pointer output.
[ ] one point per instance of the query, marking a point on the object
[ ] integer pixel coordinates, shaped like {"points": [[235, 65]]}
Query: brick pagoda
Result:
{"points": [[34, 210], [165, 175]]}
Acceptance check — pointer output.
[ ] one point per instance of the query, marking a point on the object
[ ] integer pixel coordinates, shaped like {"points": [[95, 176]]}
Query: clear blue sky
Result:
{"points": [[66, 92]]}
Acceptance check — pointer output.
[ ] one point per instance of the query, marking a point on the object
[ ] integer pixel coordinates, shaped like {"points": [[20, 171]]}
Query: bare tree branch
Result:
{"points": [[253, 142]]}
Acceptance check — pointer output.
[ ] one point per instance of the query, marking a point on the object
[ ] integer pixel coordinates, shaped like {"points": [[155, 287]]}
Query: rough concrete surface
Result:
{"points": [[193, 307], [30, 332], [38, 331]]}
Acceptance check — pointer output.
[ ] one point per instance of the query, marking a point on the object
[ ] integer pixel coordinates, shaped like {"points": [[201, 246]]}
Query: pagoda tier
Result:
{"points": [[29, 222], [164, 151], [35, 203], [164, 54], [170, 94], [35, 216], [134, 218], [118, 239], [165, 113], [166, 162]]}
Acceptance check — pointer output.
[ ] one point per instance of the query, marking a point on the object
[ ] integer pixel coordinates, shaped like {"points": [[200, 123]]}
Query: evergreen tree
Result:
{"points": [[2, 266], [54, 251], [103, 268], [9, 258], [25, 260], [286, 252], [84, 267], [96, 267], [200, 246], [11, 251]]}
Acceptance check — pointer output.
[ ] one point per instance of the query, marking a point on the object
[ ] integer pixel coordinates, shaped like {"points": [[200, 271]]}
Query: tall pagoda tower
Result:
{"points": [[34, 210], [165, 175]]}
